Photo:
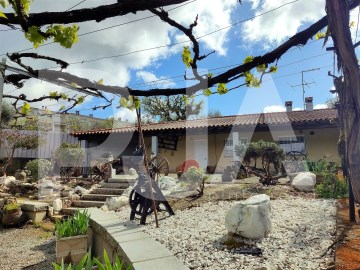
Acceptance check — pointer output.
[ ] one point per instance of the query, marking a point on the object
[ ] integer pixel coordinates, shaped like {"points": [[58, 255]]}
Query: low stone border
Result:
{"points": [[130, 243]]}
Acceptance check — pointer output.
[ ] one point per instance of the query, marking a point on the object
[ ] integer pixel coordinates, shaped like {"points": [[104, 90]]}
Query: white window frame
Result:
{"points": [[291, 143], [229, 147]]}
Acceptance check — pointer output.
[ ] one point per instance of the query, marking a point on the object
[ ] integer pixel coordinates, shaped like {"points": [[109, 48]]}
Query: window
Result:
{"points": [[229, 146], [289, 144]]}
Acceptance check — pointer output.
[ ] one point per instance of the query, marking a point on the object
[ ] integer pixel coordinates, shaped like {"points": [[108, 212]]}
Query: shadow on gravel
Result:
{"points": [[48, 250]]}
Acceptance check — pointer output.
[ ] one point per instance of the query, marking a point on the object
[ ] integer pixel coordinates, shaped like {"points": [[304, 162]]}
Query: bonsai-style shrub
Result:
{"points": [[196, 177], [69, 157], [39, 168], [269, 153], [73, 226], [11, 207]]}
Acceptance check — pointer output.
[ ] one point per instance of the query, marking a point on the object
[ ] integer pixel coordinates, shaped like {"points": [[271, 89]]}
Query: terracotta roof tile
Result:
{"points": [[277, 118]]}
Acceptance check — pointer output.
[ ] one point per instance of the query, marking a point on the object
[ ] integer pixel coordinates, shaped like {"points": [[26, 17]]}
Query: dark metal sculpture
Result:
{"points": [[146, 195]]}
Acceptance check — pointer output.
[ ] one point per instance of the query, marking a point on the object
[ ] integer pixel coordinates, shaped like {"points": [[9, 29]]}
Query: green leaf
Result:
{"points": [[207, 92], [53, 94], [210, 75], [74, 85], [273, 69], [2, 15], [320, 35], [261, 68], [186, 99], [222, 89], [248, 59], [99, 264], [33, 35], [62, 108], [25, 108], [123, 102], [80, 100], [101, 82], [65, 36], [186, 57]]}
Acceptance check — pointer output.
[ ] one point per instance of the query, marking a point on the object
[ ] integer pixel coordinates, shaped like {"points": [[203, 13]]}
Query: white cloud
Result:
{"points": [[153, 81], [274, 27], [126, 115], [320, 106], [274, 108]]}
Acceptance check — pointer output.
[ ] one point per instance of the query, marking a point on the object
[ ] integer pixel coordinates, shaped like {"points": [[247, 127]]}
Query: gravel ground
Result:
{"points": [[26, 248], [303, 231]]}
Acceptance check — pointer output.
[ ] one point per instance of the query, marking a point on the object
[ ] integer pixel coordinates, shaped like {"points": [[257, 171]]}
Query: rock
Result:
{"points": [[132, 171], [166, 183], [250, 218], [50, 211], [57, 205], [115, 203], [10, 180], [304, 181], [80, 190]]}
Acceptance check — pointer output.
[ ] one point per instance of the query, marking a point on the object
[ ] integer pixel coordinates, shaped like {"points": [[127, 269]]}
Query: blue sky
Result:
{"points": [[232, 45]]}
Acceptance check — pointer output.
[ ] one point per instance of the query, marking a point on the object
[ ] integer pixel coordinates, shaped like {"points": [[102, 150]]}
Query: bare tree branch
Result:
{"points": [[97, 14]]}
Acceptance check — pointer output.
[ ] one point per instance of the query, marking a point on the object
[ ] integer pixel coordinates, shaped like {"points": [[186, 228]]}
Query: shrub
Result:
{"points": [[332, 187], [69, 155], [74, 225], [39, 168], [11, 206], [195, 176]]}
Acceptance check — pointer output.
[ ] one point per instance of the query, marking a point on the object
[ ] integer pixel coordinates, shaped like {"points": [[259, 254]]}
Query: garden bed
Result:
{"points": [[301, 238]]}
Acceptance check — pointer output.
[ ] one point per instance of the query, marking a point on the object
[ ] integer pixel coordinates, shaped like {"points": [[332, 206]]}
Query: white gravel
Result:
{"points": [[302, 231]]}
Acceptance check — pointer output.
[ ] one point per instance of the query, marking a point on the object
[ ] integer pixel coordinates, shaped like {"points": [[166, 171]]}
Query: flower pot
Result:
{"points": [[71, 249], [12, 217]]}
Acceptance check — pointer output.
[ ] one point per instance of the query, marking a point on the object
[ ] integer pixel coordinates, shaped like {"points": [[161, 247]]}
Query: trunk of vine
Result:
{"points": [[349, 92]]}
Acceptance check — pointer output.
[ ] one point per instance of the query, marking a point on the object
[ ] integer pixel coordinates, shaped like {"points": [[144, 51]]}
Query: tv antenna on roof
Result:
{"points": [[304, 83]]}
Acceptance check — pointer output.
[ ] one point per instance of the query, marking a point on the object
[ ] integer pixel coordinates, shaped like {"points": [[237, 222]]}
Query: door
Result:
{"points": [[201, 153]]}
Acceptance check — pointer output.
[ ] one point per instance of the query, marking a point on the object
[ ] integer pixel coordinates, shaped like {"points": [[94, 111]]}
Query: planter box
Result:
{"points": [[71, 249]]}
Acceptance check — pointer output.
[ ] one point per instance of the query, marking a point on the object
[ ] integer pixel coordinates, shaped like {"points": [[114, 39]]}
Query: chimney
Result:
{"points": [[77, 112], [288, 106], [309, 104]]}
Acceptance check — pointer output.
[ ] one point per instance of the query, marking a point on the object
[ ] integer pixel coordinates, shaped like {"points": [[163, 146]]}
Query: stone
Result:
{"points": [[115, 203], [166, 183], [132, 171], [304, 181], [57, 205], [80, 190], [10, 180], [250, 218]]}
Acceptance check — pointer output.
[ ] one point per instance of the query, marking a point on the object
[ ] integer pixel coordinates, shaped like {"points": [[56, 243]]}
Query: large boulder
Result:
{"points": [[166, 183], [250, 218], [115, 203], [304, 181]]}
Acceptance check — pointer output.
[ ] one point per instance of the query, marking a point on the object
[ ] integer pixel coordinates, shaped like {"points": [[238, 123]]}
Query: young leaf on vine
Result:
{"points": [[222, 89], [186, 57], [33, 35], [25, 108], [248, 59], [207, 92]]}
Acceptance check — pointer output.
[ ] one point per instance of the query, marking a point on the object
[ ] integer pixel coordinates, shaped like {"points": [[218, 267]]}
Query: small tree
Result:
{"points": [[172, 108], [268, 152], [69, 157], [195, 176]]}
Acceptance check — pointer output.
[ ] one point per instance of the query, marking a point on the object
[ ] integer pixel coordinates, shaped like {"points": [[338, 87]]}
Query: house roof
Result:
{"points": [[327, 116]]}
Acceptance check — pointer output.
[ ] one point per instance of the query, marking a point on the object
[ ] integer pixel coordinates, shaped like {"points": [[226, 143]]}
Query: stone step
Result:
{"points": [[128, 179], [69, 210], [96, 197], [109, 191], [116, 185], [84, 204]]}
